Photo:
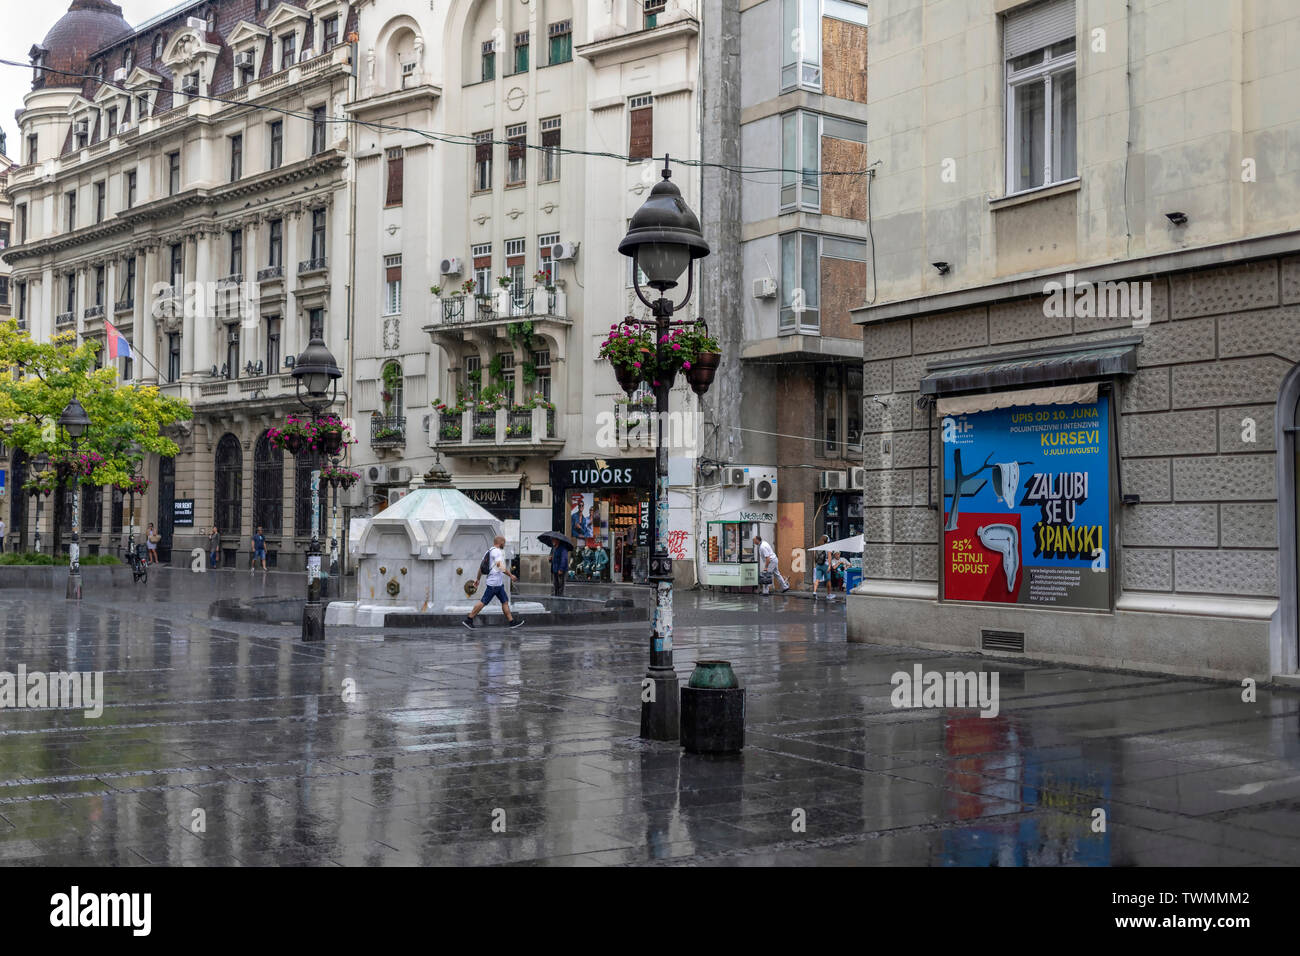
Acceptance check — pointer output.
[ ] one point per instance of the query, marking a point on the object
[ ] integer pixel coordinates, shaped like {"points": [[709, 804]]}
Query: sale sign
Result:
{"points": [[1027, 505]]}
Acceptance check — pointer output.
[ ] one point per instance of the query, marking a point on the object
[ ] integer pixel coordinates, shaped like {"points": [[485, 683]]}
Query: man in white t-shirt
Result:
{"points": [[498, 571], [767, 562]]}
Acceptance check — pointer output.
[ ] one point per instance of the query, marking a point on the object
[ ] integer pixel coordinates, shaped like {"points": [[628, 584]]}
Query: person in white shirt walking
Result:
{"points": [[498, 571], [768, 564]]}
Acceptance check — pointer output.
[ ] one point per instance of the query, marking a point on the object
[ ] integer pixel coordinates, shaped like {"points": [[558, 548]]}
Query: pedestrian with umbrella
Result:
{"points": [[561, 544]]}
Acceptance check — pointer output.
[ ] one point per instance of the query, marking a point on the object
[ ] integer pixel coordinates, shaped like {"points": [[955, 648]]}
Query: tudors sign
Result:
{"points": [[603, 473]]}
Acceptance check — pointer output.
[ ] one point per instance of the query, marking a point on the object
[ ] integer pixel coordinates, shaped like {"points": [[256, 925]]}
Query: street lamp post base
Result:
{"points": [[313, 621], [74, 586], [660, 714]]}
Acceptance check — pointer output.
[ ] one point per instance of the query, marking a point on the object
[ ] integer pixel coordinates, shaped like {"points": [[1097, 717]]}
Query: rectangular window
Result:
{"points": [[272, 344], [1039, 50], [173, 356], [22, 223], [4, 235], [482, 161], [32, 151], [101, 197], [331, 34], [515, 267], [561, 40], [489, 66], [141, 106], [70, 293], [544, 261], [801, 61], [130, 189], [550, 149], [128, 283], [800, 161], [277, 144], [396, 162], [275, 249], [408, 74], [173, 173], [318, 234], [392, 285], [236, 157], [178, 265], [232, 351], [317, 130], [542, 370], [651, 10], [516, 154], [236, 252], [111, 129], [521, 52], [288, 50], [507, 373], [70, 204], [316, 323], [473, 383], [99, 285], [4, 291], [481, 256], [800, 283], [22, 305], [640, 143]]}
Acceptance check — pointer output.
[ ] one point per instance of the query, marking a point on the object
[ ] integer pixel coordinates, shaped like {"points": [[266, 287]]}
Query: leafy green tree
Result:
{"points": [[42, 377]]}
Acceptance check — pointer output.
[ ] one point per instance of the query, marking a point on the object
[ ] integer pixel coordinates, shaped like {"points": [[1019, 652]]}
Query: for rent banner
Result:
{"points": [[1027, 505]]}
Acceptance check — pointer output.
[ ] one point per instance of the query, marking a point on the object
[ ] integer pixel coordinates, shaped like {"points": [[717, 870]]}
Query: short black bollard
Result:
{"points": [[713, 710]]}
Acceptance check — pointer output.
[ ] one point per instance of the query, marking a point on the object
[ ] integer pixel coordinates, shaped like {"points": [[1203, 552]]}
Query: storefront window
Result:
{"points": [[605, 506]]}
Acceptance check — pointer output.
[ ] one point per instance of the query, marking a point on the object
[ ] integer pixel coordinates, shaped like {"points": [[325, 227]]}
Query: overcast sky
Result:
{"points": [[24, 23]]}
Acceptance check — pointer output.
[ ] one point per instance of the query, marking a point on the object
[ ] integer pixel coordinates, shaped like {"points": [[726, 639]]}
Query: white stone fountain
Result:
{"points": [[420, 555]]}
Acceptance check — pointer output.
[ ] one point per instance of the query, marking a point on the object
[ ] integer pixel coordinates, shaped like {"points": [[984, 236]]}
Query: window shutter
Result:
{"points": [[1038, 26], [550, 137], [482, 262], [395, 171], [393, 274], [482, 152], [641, 141], [516, 149]]}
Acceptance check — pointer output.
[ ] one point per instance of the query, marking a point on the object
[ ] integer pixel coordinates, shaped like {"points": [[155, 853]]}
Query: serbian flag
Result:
{"points": [[118, 346]]}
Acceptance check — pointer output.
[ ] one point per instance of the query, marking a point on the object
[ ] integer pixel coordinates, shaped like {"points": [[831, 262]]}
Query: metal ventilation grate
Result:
{"points": [[1002, 641]]}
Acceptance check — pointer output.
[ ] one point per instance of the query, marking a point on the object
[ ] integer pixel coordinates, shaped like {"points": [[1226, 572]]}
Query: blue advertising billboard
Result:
{"points": [[1027, 505]]}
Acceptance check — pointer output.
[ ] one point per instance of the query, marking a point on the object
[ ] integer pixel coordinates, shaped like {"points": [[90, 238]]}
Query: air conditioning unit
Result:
{"points": [[399, 474], [451, 267], [355, 497], [123, 126], [244, 59], [857, 478], [830, 481], [190, 86], [119, 74], [198, 23], [733, 477], [82, 127], [564, 251], [765, 288], [306, 55], [377, 475], [762, 489], [539, 497]]}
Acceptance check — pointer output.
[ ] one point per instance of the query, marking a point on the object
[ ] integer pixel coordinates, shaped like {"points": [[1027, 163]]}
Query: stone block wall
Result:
{"points": [[1195, 427]]}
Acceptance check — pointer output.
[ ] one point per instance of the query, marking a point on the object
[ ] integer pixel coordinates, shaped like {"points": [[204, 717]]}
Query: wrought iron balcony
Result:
{"points": [[504, 305], [124, 305], [94, 312], [270, 272], [65, 318], [387, 432], [311, 265]]}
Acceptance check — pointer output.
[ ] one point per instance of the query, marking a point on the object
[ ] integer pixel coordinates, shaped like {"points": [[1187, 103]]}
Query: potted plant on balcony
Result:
{"points": [[485, 429], [436, 291], [467, 287], [386, 433], [544, 279]]}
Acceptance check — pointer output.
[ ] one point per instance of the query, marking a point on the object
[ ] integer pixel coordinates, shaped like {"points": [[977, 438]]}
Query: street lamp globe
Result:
{"points": [[40, 462], [664, 235], [74, 419], [315, 371]]}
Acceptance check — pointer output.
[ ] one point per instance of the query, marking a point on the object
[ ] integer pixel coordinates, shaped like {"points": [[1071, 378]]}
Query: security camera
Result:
{"points": [[880, 401]]}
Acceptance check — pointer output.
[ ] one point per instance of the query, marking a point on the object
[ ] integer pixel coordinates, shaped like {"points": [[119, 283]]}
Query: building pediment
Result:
{"points": [[286, 14], [326, 7], [246, 32], [188, 47], [140, 77]]}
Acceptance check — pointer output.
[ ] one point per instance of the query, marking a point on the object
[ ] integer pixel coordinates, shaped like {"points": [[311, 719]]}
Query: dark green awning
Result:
{"points": [[1057, 366]]}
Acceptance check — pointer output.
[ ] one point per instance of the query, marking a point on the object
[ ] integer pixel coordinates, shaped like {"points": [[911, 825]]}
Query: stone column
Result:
{"points": [[146, 331], [293, 338], [205, 321], [188, 340]]}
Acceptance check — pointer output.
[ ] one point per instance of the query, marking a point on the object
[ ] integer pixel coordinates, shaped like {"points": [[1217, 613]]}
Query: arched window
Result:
{"points": [[268, 486], [229, 485], [302, 499]]}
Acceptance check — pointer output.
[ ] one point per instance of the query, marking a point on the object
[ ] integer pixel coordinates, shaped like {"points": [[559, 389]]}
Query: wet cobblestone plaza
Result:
{"points": [[225, 743]]}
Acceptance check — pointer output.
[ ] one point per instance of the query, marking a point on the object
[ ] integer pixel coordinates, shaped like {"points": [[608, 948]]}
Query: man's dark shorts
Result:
{"points": [[497, 591]]}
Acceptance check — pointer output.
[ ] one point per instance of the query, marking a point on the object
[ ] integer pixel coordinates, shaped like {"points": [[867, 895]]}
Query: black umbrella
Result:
{"points": [[557, 538]]}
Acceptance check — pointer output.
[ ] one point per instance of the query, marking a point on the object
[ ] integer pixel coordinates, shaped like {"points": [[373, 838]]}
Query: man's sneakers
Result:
{"points": [[784, 589], [468, 622], [517, 622]]}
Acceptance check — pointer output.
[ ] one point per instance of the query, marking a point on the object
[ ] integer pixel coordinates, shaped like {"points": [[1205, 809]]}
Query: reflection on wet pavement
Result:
{"points": [[227, 743]]}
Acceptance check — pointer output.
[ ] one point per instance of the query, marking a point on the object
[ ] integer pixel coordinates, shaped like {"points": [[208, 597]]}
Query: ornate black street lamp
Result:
{"points": [[76, 423], [316, 378], [136, 453], [663, 239]]}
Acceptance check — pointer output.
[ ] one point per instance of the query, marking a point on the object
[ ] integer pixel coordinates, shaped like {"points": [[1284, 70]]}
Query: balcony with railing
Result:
{"points": [[387, 431], [94, 312], [539, 304], [124, 305], [65, 319], [312, 266], [270, 273], [498, 431]]}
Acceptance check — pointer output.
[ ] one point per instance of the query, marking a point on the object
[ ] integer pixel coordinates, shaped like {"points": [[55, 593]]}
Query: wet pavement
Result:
{"points": [[225, 743]]}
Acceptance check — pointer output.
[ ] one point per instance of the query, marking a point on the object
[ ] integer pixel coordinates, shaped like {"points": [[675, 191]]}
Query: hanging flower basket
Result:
{"points": [[702, 370], [339, 477], [76, 467], [42, 484], [136, 486], [301, 435]]}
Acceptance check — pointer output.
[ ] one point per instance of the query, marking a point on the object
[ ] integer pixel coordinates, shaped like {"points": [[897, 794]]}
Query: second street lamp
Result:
{"points": [[76, 423], [663, 240], [316, 376]]}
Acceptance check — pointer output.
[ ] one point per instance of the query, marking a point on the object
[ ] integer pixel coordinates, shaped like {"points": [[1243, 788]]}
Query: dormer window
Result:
{"points": [[128, 60], [288, 49], [190, 85], [38, 63], [244, 65], [330, 35], [141, 106], [158, 47]]}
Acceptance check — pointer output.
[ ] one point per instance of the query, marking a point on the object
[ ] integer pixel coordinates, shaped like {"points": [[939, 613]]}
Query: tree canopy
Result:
{"points": [[42, 377]]}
